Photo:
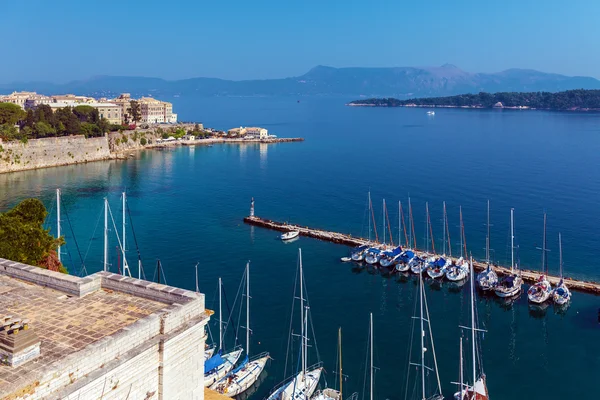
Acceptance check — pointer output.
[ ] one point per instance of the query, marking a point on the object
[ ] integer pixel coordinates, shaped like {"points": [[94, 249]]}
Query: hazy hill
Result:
{"points": [[400, 82]]}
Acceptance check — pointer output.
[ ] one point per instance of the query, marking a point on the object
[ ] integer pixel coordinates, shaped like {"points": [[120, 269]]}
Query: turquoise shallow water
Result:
{"points": [[187, 205]]}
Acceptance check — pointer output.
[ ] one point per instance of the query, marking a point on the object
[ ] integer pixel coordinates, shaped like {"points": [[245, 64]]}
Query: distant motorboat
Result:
{"points": [[290, 235], [430, 112]]}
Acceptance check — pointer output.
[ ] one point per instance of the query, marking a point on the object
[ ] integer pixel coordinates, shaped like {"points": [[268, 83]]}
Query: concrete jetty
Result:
{"points": [[349, 240]]}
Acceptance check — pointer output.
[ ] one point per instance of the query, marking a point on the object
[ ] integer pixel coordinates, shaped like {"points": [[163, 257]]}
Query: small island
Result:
{"points": [[570, 100]]}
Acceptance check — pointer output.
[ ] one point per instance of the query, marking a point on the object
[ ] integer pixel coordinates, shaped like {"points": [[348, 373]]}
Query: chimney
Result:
{"points": [[18, 342]]}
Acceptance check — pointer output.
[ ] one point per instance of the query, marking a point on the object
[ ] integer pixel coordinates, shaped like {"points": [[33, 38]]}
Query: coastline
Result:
{"points": [[16, 156]]}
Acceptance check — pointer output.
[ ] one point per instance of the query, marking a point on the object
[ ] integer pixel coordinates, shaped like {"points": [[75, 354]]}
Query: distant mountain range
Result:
{"points": [[401, 82]]}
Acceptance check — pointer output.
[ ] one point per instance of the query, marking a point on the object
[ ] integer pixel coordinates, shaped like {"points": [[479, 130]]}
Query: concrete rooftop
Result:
{"points": [[64, 323]]}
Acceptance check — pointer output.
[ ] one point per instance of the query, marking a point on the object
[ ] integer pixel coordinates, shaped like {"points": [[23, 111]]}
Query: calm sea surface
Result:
{"points": [[187, 206]]}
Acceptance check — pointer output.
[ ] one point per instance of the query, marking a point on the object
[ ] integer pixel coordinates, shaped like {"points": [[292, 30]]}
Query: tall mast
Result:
{"points": [[158, 271], [448, 232], [444, 226], [430, 227], [427, 225], [560, 262], [487, 238], [58, 221], [125, 263], [302, 318], [220, 317], [422, 336], [340, 350], [399, 223], [369, 201], [410, 222], [383, 217], [105, 234], [512, 240], [248, 308], [544, 267], [403, 225], [461, 371], [371, 340], [473, 324]]}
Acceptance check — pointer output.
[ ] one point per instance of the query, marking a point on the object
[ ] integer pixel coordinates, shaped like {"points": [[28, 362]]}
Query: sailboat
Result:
{"points": [[561, 294], [244, 376], [426, 339], [403, 261], [304, 384], [478, 391], [487, 279], [330, 393], [460, 270], [359, 253], [220, 364], [541, 290], [510, 285], [436, 266], [374, 254]]}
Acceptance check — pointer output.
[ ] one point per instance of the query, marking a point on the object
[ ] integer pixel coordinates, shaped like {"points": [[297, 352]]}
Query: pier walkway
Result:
{"points": [[349, 240]]}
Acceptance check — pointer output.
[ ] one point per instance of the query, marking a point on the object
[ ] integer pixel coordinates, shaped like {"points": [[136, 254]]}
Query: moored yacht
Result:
{"points": [[487, 279], [541, 290], [510, 285], [561, 294]]}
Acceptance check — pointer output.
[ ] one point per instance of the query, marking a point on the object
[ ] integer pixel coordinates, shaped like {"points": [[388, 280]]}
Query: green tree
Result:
{"points": [[43, 129], [8, 132], [25, 240], [84, 113], [11, 113], [135, 111], [103, 125]]}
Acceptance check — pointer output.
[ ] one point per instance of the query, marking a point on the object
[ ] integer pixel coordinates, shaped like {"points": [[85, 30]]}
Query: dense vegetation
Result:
{"points": [[43, 122], [568, 100], [24, 239]]}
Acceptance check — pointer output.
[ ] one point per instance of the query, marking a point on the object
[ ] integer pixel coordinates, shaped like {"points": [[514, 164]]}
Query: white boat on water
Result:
{"points": [[244, 376], [290, 235], [487, 279], [358, 254], [478, 390], [510, 285], [303, 385], [561, 294], [331, 393], [219, 365], [402, 261], [430, 112], [427, 383], [459, 271], [373, 255], [541, 290]]}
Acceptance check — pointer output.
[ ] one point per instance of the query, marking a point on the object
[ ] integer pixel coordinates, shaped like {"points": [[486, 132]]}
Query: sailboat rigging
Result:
{"points": [[245, 375], [561, 294], [487, 279], [510, 285], [541, 290]]}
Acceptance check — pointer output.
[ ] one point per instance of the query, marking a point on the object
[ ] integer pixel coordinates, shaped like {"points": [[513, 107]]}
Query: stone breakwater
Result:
{"points": [[53, 152]]}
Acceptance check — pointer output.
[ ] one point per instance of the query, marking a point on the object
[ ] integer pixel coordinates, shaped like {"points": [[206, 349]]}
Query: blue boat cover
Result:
{"points": [[361, 248], [213, 362], [374, 250], [242, 365], [397, 251], [440, 262]]}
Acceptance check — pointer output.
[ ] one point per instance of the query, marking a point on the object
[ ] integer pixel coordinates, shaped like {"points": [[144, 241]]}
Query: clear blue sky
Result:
{"points": [[64, 40]]}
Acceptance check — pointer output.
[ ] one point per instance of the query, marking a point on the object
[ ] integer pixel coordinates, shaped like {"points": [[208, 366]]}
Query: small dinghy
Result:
{"points": [[290, 235], [345, 259]]}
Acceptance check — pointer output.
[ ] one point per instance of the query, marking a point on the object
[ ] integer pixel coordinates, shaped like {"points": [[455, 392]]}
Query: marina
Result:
{"points": [[529, 276]]}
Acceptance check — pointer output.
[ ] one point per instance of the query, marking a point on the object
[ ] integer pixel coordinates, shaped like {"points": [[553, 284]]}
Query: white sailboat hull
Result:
{"points": [[540, 292], [487, 280], [223, 369], [242, 380], [327, 394], [456, 274], [299, 388]]}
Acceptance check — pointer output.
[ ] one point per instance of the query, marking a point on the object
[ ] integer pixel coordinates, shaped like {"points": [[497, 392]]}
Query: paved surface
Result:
{"points": [[65, 324]]}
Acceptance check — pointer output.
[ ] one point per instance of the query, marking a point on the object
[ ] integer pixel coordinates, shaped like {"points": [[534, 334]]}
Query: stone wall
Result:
{"points": [[51, 152]]}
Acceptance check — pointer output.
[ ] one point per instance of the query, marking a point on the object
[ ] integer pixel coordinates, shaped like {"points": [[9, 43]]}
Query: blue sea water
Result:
{"points": [[187, 206]]}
